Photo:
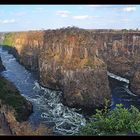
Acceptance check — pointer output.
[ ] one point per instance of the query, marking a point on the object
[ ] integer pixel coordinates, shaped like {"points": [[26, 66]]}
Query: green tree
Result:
{"points": [[120, 121]]}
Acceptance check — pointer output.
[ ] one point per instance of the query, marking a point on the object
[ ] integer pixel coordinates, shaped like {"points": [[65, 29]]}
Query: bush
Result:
{"points": [[120, 121]]}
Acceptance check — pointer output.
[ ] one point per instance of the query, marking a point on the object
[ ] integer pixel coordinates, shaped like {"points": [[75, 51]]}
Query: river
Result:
{"points": [[47, 106]]}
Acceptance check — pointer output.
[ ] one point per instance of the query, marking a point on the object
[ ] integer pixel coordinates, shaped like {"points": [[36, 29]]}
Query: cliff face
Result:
{"points": [[76, 61], [135, 82], [1, 66], [65, 60], [26, 45], [120, 51]]}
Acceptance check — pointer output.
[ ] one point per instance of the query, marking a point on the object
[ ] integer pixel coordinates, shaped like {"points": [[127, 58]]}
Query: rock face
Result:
{"points": [[26, 111], [26, 47], [11, 98], [1, 66], [65, 60], [68, 62], [120, 51], [135, 82], [76, 61]]}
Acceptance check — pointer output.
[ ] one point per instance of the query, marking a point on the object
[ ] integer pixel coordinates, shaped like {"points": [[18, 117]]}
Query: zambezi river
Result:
{"points": [[47, 106]]}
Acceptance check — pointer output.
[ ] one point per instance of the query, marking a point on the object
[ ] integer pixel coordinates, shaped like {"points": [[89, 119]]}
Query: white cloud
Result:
{"points": [[126, 20], [21, 13], [129, 9], [7, 21], [82, 17], [63, 13]]}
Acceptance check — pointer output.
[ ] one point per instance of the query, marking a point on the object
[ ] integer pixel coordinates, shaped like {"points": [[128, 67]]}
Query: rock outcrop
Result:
{"points": [[68, 62], [135, 82], [1, 66], [10, 97]]}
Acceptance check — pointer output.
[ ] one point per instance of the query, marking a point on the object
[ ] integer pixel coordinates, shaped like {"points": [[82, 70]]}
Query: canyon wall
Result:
{"points": [[120, 51], [65, 60], [68, 62], [76, 61], [25, 47]]}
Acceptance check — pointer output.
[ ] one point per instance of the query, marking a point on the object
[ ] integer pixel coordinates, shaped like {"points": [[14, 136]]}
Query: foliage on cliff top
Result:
{"points": [[22, 38], [10, 96], [8, 39], [120, 121]]}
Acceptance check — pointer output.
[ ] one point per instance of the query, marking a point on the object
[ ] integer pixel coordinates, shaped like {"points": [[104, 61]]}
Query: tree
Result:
{"points": [[120, 121]]}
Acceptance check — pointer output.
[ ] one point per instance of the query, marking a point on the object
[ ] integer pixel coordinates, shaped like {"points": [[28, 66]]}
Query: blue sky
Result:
{"points": [[38, 17]]}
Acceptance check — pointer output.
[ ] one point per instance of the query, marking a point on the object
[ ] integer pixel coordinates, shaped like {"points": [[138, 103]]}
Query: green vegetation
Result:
{"points": [[10, 96], [8, 39], [120, 121]]}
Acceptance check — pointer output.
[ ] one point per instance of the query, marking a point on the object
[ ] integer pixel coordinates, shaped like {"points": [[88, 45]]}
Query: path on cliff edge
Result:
{"points": [[4, 128]]}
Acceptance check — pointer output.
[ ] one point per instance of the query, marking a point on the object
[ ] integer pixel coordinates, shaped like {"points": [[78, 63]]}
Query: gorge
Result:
{"points": [[75, 63]]}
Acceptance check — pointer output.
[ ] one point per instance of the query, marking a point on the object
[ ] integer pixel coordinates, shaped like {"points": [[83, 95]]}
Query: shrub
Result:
{"points": [[120, 121]]}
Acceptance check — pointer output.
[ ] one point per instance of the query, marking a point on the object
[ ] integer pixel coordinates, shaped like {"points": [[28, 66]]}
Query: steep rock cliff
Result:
{"points": [[76, 61], [65, 60], [26, 47], [120, 51]]}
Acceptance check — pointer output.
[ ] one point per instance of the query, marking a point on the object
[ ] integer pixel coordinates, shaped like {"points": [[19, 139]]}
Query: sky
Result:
{"points": [[43, 17]]}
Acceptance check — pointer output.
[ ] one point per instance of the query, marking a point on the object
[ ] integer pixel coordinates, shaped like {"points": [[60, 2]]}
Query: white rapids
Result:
{"points": [[119, 78]]}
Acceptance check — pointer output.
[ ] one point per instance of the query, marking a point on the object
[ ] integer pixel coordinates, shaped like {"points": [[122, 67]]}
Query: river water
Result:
{"points": [[47, 106], [121, 93]]}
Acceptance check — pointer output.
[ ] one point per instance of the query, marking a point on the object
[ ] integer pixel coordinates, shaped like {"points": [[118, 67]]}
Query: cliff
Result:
{"points": [[65, 60], [25, 47], [76, 61], [120, 51]]}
